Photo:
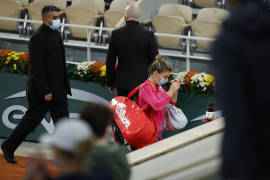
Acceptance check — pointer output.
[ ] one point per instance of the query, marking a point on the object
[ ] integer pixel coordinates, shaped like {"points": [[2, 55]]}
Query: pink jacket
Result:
{"points": [[157, 98]]}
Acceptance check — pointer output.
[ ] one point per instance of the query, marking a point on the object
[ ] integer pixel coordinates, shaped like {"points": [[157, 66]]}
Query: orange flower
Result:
{"points": [[96, 66], [3, 53], [188, 76], [25, 56]]}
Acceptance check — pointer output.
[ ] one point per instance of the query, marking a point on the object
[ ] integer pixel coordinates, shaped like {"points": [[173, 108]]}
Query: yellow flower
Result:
{"points": [[103, 68], [10, 54], [8, 60], [103, 73], [14, 66], [209, 79]]}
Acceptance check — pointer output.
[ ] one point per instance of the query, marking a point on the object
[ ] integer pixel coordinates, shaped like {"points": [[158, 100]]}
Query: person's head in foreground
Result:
{"points": [[51, 16], [132, 13], [70, 142], [104, 154], [99, 117], [159, 71]]}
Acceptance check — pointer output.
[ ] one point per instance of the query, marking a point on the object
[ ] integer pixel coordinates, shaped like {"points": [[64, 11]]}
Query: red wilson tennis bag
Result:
{"points": [[136, 127]]}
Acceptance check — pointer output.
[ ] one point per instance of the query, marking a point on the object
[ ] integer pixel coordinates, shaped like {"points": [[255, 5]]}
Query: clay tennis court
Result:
{"points": [[16, 171]]}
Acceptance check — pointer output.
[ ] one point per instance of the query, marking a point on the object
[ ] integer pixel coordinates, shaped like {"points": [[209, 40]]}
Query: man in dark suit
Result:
{"points": [[47, 85], [241, 60], [135, 48]]}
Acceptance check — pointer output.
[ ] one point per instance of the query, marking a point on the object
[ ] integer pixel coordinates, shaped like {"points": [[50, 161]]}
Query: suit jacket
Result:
{"points": [[47, 67], [241, 57], [136, 49]]}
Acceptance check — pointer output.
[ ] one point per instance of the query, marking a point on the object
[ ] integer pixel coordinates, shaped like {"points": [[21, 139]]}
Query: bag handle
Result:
{"points": [[133, 92]]}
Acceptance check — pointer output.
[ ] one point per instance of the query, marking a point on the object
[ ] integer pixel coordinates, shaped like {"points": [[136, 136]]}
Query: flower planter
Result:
{"points": [[14, 103]]}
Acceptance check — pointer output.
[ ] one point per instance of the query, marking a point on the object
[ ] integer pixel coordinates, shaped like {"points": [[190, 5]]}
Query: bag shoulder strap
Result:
{"points": [[134, 91]]}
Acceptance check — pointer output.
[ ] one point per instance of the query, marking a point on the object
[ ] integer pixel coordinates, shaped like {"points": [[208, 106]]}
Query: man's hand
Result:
{"points": [[112, 90], [48, 97]]}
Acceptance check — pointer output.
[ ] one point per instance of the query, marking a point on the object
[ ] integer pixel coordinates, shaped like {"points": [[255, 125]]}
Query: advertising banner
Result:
{"points": [[13, 104]]}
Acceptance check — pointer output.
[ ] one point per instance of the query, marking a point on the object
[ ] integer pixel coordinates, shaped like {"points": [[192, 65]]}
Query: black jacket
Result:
{"points": [[242, 62], [47, 67], [136, 50]]}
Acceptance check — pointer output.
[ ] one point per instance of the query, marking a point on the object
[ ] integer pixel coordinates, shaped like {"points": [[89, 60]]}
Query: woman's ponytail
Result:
{"points": [[159, 65]]}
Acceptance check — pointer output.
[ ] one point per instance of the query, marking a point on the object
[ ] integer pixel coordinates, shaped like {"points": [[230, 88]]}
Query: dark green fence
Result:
{"points": [[13, 103]]}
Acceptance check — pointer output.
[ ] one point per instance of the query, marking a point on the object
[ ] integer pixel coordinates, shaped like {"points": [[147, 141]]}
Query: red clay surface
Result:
{"points": [[16, 171]]}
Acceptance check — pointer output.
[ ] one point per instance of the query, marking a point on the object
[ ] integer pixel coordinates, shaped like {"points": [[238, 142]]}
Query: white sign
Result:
{"points": [[49, 126], [121, 112]]}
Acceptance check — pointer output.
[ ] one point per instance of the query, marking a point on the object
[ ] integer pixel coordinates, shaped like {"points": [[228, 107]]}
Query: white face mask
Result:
{"points": [[161, 82], [55, 24]]}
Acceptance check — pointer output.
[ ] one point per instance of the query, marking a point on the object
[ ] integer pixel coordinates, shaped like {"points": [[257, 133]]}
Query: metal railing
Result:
{"points": [[89, 45]]}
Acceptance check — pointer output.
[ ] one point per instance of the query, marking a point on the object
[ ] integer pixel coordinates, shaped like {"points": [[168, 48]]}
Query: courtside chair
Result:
{"points": [[171, 19], [98, 5], [169, 25], [113, 17], [204, 28], [81, 16], [34, 12], [177, 10], [120, 5], [207, 24], [214, 14], [115, 13], [11, 9], [23, 3]]}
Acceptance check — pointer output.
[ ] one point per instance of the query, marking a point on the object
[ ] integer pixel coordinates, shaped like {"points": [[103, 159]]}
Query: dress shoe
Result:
{"points": [[9, 157]]}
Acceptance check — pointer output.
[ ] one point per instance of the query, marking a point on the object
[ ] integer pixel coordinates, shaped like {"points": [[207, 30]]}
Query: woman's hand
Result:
{"points": [[174, 88]]}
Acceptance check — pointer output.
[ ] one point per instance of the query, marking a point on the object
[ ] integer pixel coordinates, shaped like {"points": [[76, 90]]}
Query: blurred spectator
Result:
{"points": [[152, 93], [70, 143], [105, 153], [135, 49], [241, 60]]}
